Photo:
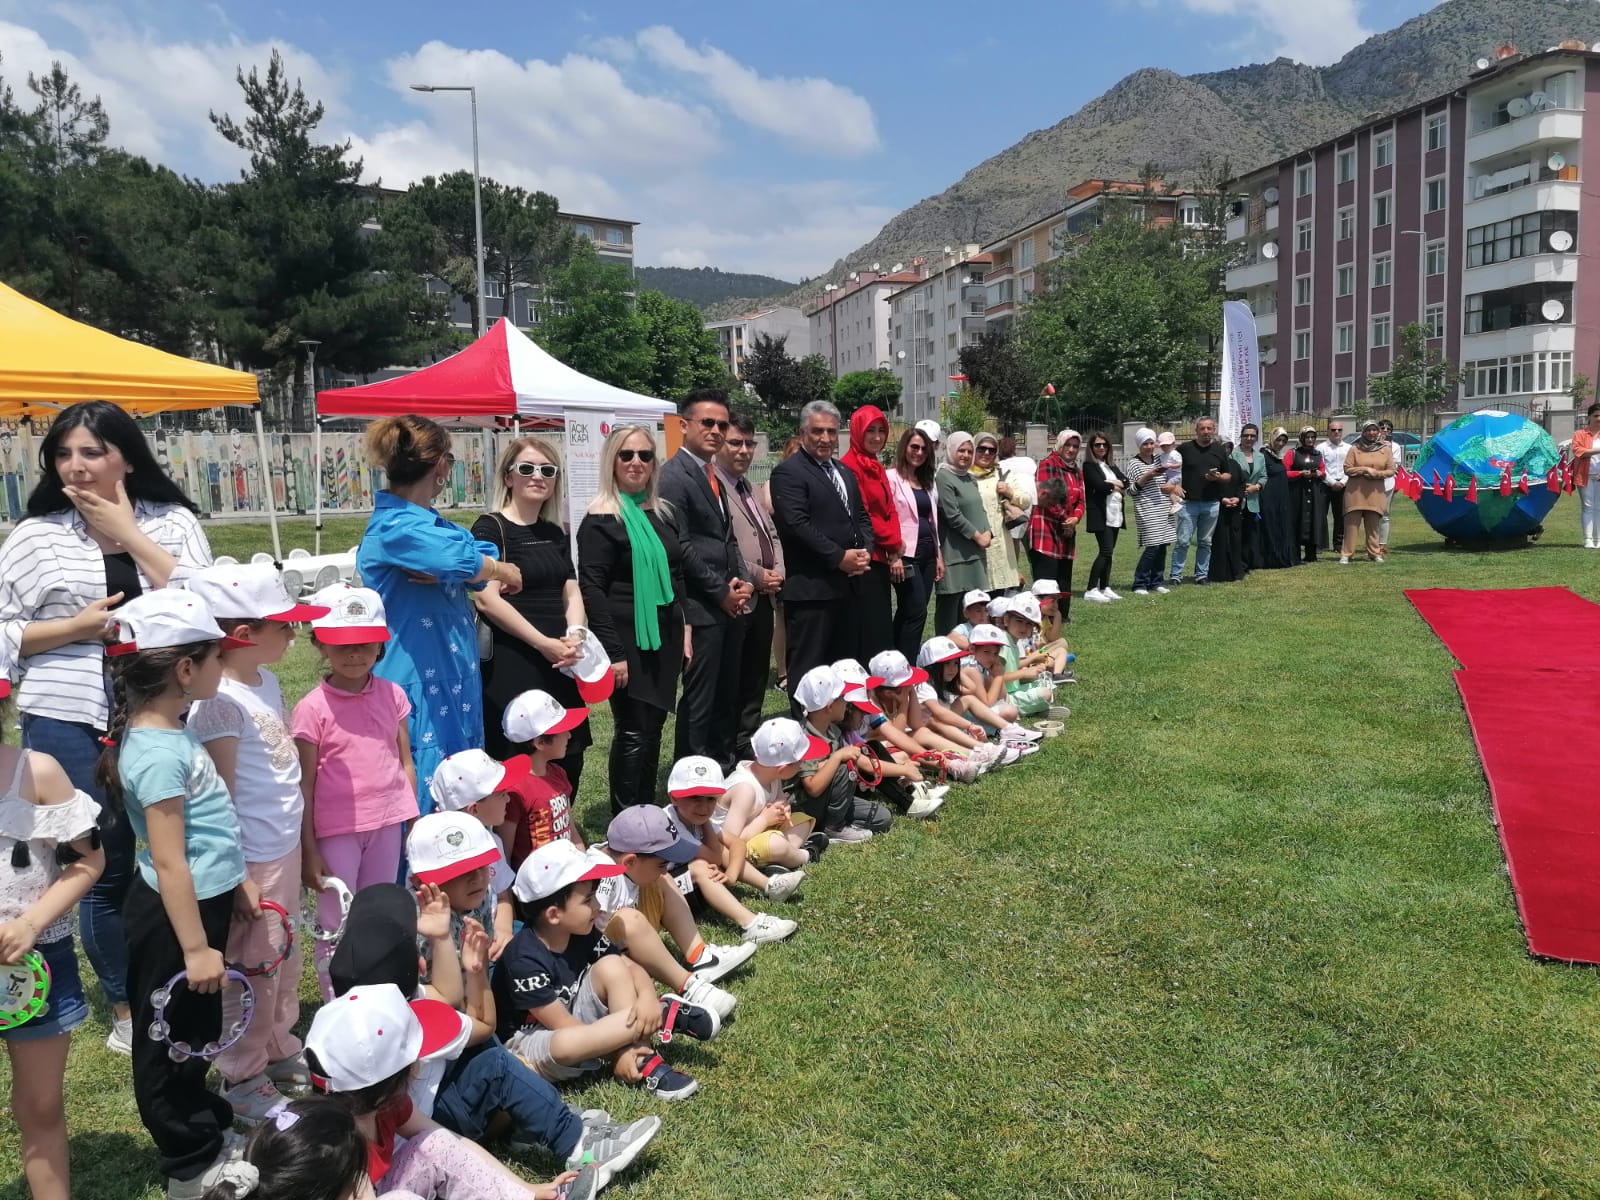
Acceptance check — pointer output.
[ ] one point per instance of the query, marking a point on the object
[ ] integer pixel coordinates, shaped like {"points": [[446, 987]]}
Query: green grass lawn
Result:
{"points": [[1245, 931]]}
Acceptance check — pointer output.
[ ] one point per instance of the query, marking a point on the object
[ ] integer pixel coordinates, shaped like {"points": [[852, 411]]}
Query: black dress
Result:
{"points": [[1308, 502], [543, 554], [1227, 544], [1277, 527]]}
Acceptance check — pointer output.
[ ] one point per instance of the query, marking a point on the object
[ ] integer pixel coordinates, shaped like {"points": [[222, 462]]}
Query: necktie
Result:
{"points": [[838, 483], [711, 478], [768, 559]]}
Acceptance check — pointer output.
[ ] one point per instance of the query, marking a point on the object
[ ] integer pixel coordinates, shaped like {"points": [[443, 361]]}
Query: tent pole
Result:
{"points": [[266, 485], [316, 482]]}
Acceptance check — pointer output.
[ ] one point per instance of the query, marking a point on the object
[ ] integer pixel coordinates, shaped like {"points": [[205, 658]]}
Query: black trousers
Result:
{"points": [[708, 705], [820, 631], [184, 1118], [1335, 518], [911, 605], [947, 615], [1100, 569], [635, 750], [1045, 566], [755, 671], [875, 624]]}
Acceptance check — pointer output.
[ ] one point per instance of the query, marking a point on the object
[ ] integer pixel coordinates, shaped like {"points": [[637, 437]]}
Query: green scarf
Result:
{"points": [[652, 581]]}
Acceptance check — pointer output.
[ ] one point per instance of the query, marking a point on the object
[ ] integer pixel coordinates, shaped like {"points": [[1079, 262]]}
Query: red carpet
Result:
{"points": [[1520, 647]]}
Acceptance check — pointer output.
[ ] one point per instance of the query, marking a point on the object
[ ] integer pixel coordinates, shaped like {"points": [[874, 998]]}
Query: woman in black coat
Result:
{"points": [[1308, 498], [1227, 544], [1277, 525], [1105, 490]]}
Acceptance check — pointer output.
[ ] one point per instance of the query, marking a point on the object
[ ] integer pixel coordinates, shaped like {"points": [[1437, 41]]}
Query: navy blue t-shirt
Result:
{"points": [[530, 975]]}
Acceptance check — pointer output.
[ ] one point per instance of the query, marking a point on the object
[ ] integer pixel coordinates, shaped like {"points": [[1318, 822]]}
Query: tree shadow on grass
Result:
{"points": [[1507, 546], [110, 1165]]}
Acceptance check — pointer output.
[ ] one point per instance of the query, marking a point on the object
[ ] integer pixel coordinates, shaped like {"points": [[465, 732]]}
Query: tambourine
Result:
{"points": [[868, 767], [330, 883], [268, 968], [930, 760], [160, 1031], [24, 990]]}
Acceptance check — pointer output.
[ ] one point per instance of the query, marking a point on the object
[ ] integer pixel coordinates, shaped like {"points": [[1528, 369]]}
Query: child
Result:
{"points": [[362, 1049], [900, 782], [1034, 647], [49, 856], [180, 902], [1052, 630], [695, 779], [753, 813], [243, 730], [1028, 684], [1167, 452], [942, 659], [541, 802], [354, 744], [824, 783], [909, 702], [455, 853], [634, 907], [568, 1001], [974, 606], [986, 683], [470, 781]]}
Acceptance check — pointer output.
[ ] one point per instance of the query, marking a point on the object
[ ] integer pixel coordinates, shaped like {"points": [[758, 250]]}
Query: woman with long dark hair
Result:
{"points": [[1308, 498], [916, 504], [104, 525], [1105, 488]]}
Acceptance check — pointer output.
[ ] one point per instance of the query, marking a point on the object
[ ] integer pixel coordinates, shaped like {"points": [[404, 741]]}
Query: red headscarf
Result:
{"points": [[874, 483]]}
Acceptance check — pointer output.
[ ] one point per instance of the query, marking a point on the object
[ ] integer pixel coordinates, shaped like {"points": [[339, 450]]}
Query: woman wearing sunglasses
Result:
{"points": [[630, 570], [531, 629]]}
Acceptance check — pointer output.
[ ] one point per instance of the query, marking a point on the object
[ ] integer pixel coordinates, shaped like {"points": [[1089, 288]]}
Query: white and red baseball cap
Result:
{"points": [[372, 1033], [819, 687], [938, 650], [536, 714], [446, 845], [249, 592], [975, 596], [355, 616], [930, 430], [1045, 588], [592, 671], [858, 685], [556, 865], [987, 635], [468, 776], [891, 667], [1025, 605], [696, 775], [167, 617], [782, 742], [997, 607]]}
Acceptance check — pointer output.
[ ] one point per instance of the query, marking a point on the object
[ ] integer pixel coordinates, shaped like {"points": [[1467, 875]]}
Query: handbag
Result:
{"points": [[485, 630]]}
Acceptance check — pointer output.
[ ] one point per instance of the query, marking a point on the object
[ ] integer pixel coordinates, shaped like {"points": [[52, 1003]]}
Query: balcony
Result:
{"points": [[1236, 228], [1561, 194], [1536, 129], [973, 322], [1532, 268], [1271, 221], [975, 291], [1004, 308], [1267, 325], [1256, 274]]}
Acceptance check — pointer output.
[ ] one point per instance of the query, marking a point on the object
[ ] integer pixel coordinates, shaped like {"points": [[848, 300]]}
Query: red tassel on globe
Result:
{"points": [[1522, 484], [1472, 491]]}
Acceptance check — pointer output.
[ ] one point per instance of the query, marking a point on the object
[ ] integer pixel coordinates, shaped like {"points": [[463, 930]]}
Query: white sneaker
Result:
{"points": [[1163, 591], [926, 799], [965, 768], [706, 994], [1021, 733], [1096, 596], [252, 1099], [716, 961], [120, 1039], [193, 1189], [1379, 559], [1142, 591], [1109, 594], [1344, 560], [768, 929], [781, 887], [1588, 543], [1009, 753]]}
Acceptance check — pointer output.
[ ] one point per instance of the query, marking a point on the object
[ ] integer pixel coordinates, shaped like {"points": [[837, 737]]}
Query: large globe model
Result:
{"points": [[1481, 446]]}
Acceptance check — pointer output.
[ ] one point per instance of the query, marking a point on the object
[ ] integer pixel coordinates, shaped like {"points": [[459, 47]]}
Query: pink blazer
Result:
{"points": [[905, 507]]}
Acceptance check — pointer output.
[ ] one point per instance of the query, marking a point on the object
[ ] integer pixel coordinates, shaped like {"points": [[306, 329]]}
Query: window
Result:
{"points": [[1383, 150], [1433, 318], [1515, 307], [1302, 397], [1382, 331], [1302, 289], [949, 341], [950, 312], [1434, 195], [1347, 224], [1303, 177], [1025, 254], [1382, 270], [1345, 166], [1344, 280], [1302, 345], [584, 231], [615, 237], [494, 289], [1302, 236], [1436, 131], [1519, 237], [1344, 338], [1434, 258], [533, 310], [1383, 210], [1344, 391], [1548, 371]]}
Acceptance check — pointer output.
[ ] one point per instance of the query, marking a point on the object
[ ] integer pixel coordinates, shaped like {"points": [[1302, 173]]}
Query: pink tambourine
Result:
{"points": [[270, 968]]}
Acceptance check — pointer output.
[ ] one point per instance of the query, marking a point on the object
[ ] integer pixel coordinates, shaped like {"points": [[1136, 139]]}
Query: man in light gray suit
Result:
{"points": [[715, 579], [763, 556]]}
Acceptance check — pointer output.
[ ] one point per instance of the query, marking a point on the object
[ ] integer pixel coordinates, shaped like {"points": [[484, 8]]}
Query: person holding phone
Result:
{"points": [[1205, 474]]}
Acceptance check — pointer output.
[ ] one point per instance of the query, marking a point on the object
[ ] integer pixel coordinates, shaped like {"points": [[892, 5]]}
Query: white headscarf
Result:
{"points": [[1064, 436], [951, 444], [1142, 435]]}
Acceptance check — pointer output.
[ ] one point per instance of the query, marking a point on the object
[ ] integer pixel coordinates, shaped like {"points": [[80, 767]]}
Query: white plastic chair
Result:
{"points": [[326, 577], [299, 552], [292, 581], [261, 556]]}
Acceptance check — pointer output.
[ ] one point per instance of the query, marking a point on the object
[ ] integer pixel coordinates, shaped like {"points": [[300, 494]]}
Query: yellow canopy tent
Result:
{"points": [[48, 361]]}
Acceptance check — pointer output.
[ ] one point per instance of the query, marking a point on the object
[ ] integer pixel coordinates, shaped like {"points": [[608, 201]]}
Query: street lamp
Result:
{"points": [[311, 345], [477, 197]]}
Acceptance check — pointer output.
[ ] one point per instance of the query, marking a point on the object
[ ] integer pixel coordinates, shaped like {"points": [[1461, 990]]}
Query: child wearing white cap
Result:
{"points": [[900, 782], [974, 609], [946, 667], [245, 730], [541, 802], [828, 794], [757, 822], [471, 782], [1033, 693], [907, 700]]}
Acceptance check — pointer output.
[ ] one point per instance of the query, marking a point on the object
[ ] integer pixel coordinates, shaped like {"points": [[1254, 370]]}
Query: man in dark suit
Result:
{"points": [[826, 532], [714, 579], [763, 555]]}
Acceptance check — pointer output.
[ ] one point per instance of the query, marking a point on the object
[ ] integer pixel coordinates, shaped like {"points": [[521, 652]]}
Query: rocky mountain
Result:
{"points": [[707, 286], [1189, 125]]}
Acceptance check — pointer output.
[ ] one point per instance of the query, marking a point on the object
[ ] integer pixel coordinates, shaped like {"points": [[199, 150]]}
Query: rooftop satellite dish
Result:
{"points": [[1595, 47], [1518, 107], [1540, 101], [1269, 251], [1481, 63], [1270, 196], [1556, 161], [1270, 356], [1553, 310], [1561, 241], [877, 266]]}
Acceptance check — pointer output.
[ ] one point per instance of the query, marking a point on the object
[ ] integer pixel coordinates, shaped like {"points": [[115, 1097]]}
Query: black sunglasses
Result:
{"points": [[528, 470], [713, 423], [643, 456], [988, 450], [737, 443]]}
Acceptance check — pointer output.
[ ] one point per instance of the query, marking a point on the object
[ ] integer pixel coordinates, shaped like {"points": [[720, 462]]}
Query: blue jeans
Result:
{"points": [[77, 748], [489, 1079], [1196, 519], [1147, 572]]}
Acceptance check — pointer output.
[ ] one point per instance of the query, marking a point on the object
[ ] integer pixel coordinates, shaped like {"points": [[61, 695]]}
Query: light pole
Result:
{"points": [[477, 196], [316, 445]]}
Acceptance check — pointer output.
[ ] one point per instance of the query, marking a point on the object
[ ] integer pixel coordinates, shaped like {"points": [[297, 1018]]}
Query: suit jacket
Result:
{"points": [[704, 524], [815, 528], [744, 530]]}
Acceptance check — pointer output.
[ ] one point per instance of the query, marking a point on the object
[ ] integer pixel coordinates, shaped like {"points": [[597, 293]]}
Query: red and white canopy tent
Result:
{"points": [[502, 374]]}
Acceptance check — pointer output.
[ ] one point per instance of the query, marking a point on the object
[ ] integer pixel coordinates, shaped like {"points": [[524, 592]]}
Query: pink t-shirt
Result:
{"points": [[360, 785]]}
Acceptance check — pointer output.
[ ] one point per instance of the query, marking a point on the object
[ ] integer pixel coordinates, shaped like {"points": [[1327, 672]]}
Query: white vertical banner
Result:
{"points": [[1241, 378], [585, 435]]}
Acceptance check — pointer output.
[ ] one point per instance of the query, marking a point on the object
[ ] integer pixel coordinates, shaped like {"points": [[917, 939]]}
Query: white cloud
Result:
{"points": [[1309, 31], [817, 115]]}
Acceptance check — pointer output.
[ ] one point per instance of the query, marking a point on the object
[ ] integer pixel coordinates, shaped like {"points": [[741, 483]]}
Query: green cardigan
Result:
{"points": [[961, 518]]}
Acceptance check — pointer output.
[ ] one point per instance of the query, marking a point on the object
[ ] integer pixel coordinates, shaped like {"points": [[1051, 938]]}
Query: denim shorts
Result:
{"points": [[66, 1008]]}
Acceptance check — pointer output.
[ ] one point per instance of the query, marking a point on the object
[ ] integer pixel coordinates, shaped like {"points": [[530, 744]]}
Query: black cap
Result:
{"points": [[379, 944]]}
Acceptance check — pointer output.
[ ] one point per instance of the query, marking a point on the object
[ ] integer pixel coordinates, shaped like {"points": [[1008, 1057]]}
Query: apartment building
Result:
{"points": [[736, 335], [930, 320], [850, 320], [1465, 213]]}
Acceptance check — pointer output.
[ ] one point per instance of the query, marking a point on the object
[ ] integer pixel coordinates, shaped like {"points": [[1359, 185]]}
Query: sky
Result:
{"points": [[751, 137]]}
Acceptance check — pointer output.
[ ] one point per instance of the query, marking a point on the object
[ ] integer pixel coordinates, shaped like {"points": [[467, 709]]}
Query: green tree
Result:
{"points": [[998, 367], [684, 353], [595, 327], [857, 389], [782, 383], [1419, 378], [967, 410]]}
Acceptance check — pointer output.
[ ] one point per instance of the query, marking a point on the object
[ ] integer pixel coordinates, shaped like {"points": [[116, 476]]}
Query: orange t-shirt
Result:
{"points": [[1581, 441]]}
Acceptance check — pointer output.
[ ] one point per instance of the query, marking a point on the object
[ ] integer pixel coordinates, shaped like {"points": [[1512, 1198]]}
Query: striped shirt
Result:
{"points": [[51, 569], [1152, 506]]}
